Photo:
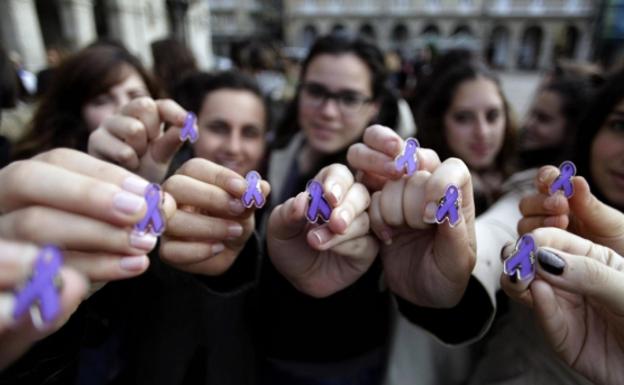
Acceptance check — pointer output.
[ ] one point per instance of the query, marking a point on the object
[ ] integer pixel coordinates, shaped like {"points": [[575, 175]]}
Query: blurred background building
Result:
{"points": [[523, 34], [29, 27], [511, 34]]}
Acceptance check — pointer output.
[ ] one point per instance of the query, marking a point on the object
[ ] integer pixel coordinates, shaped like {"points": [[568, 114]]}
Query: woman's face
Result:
{"points": [[232, 130], [109, 103], [545, 125], [335, 102], [607, 157], [475, 123]]}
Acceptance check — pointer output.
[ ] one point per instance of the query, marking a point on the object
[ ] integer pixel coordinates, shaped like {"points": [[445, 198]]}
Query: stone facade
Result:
{"points": [[28, 26], [511, 33]]}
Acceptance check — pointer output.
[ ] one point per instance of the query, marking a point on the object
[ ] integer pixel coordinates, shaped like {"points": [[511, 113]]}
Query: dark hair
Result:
{"points": [[603, 103], [58, 121], [365, 50], [172, 61], [575, 93], [191, 91], [430, 115]]}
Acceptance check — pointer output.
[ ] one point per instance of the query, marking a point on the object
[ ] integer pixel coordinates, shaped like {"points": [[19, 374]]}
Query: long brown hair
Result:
{"points": [[58, 120]]}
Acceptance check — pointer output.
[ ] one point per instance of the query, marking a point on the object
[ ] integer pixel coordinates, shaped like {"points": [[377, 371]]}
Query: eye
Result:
{"points": [[616, 125], [492, 115], [218, 128], [251, 132], [316, 91], [462, 117], [133, 94], [350, 100], [101, 100]]}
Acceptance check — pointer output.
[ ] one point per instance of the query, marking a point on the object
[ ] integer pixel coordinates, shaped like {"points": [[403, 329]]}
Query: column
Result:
{"points": [[546, 51], [515, 36], [198, 36], [20, 27], [78, 21]]}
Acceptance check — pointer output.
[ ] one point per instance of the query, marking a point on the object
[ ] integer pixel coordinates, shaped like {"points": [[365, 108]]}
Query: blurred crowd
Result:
{"points": [[377, 294]]}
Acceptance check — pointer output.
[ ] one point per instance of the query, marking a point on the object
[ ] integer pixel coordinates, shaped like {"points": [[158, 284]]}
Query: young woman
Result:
{"points": [[467, 116], [87, 88]]}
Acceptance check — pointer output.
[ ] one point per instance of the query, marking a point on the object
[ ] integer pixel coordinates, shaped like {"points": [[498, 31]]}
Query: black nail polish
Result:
{"points": [[550, 261]]}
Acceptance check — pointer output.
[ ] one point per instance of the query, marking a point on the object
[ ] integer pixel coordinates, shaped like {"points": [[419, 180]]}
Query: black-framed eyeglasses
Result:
{"points": [[349, 102]]}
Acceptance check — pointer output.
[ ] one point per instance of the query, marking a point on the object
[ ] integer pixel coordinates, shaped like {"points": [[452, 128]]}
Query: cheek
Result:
{"points": [[207, 145], [254, 149], [93, 116]]}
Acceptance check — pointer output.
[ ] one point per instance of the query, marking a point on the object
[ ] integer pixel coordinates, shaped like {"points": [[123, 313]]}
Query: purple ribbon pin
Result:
{"points": [[41, 291], [407, 160], [253, 194], [449, 206], [564, 180], [153, 220], [521, 263], [189, 131], [318, 209]]}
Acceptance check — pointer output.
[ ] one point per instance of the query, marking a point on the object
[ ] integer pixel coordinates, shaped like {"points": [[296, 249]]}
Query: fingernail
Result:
{"points": [[390, 168], [430, 211], [7, 308], [336, 191], [128, 203], [236, 206], [321, 235], [386, 236], [217, 248], [550, 202], [145, 241], [235, 230], [135, 185], [237, 184], [550, 261], [392, 147], [345, 216], [133, 263]]}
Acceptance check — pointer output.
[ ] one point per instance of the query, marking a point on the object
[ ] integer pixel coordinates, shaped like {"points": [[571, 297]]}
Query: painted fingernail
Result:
{"points": [[135, 185], [217, 248], [336, 191], [235, 231], [128, 203], [236, 206], [386, 236], [145, 241], [430, 211], [134, 263], [550, 261]]}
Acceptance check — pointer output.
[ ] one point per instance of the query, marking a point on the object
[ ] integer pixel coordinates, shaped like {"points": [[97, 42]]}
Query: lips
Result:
{"points": [[480, 149]]}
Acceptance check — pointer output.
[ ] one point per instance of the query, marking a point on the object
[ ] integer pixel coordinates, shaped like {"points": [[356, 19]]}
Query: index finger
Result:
{"points": [[336, 180], [16, 260], [220, 176]]}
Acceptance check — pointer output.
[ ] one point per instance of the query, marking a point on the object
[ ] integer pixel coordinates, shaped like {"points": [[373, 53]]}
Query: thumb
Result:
{"points": [[599, 219], [595, 275], [288, 220]]}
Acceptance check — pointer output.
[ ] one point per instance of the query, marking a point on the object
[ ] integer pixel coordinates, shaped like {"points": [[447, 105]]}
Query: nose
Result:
{"points": [[482, 127], [330, 108], [233, 144]]}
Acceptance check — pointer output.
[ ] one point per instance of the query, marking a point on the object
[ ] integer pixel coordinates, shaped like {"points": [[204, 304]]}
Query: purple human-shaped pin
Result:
{"points": [[564, 180], [41, 291], [407, 161], [153, 220], [521, 263], [318, 209], [253, 194], [189, 130], [448, 208]]}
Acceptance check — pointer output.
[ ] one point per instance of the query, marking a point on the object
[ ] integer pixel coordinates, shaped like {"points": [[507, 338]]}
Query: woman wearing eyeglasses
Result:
{"points": [[342, 337]]}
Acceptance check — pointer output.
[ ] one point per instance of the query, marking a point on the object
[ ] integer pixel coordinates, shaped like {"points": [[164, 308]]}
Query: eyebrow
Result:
{"points": [[339, 91]]}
